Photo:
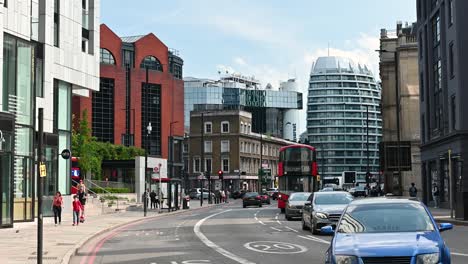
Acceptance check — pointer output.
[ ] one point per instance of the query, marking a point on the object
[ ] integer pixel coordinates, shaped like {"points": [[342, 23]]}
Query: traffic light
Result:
{"points": [[220, 174]]}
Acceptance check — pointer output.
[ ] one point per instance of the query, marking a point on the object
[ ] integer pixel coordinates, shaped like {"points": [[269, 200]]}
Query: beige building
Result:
{"points": [[230, 146], [400, 45]]}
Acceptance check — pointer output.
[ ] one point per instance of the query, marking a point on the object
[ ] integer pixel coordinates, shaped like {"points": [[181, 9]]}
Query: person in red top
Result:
{"points": [[57, 205], [76, 210]]}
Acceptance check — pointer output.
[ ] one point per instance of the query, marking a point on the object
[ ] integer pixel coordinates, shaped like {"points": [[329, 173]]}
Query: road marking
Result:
{"points": [[275, 247], [315, 239], [209, 243], [261, 223], [292, 229], [459, 254], [274, 228]]}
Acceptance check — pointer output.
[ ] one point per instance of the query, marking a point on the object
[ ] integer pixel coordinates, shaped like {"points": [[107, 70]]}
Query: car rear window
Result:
{"points": [[385, 218], [250, 194]]}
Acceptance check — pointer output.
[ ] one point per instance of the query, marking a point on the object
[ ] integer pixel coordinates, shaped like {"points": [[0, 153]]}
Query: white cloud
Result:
{"points": [[240, 61]]}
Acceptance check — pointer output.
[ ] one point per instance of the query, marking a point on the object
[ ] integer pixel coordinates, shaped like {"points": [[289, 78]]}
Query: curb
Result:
{"points": [[72, 252]]}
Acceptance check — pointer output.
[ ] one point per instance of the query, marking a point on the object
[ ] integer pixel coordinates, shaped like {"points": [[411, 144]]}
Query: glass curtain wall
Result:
{"points": [[18, 95], [62, 125]]}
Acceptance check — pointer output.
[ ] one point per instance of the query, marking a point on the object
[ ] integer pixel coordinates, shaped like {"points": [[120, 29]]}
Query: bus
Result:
{"points": [[297, 171]]}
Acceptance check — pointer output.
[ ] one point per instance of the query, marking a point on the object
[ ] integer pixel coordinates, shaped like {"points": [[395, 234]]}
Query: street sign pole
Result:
{"points": [[40, 186]]}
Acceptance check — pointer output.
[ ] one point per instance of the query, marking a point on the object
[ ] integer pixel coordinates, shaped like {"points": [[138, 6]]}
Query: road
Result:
{"points": [[226, 234]]}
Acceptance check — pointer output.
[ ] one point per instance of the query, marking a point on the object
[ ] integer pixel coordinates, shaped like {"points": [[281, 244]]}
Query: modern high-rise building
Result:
{"points": [[342, 97], [50, 51], [236, 92], [400, 45], [443, 61]]}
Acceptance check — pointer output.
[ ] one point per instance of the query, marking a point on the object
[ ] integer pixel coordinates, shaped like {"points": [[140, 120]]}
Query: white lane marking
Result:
{"points": [[277, 219], [256, 218], [261, 223], [315, 239], [275, 247], [209, 243], [459, 254], [292, 229], [274, 228]]}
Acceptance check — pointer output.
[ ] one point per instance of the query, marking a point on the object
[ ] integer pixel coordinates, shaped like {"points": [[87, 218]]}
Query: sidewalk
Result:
{"points": [[442, 215], [18, 244]]}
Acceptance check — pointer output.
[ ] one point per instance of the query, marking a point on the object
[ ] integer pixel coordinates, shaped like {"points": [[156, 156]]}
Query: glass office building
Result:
{"points": [[342, 96], [239, 92]]}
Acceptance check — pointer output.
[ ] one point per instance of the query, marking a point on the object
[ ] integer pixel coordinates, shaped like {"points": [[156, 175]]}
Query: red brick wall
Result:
{"points": [[172, 90]]}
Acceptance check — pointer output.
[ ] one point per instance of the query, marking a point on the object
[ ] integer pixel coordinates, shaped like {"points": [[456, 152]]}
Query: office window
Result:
{"points": [[225, 146], [56, 23], [103, 111], [151, 113], [208, 146], [5, 3], [196, 165], [451, 61], [436, 29], [208, 165], [225, 163], [242, 147], [208, 127], [454, 113], [242, 128], [152, 63], [225, 127], [107, 57], [186, 149]]}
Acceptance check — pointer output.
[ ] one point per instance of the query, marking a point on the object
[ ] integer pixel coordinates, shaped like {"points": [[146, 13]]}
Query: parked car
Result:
{"points": [[367, 226], [238, 194], [265, 198], [323, 209], [352, 191], [196, 193], [327, 189], [273, 193], [252, 198], [360, 190], [295, 204]]}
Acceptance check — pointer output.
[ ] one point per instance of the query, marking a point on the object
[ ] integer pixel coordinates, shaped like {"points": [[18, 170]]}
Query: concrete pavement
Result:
{"points": [[18, 245]]}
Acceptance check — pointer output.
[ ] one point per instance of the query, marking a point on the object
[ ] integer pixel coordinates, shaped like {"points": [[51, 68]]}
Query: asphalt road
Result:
{"points": [[226, 234]]}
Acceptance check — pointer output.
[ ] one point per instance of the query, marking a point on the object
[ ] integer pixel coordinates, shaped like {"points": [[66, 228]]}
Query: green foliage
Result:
{"points": [[110, 190], [92, 153]]}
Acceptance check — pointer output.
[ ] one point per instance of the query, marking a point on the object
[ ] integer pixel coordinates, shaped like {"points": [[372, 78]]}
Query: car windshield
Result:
{"points": [[299, 197], [360, 188], [385, 218], [332, 198]]}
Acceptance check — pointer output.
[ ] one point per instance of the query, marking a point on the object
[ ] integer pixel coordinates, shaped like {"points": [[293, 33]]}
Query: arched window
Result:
{"points": [[107, 57], [152, 63]]}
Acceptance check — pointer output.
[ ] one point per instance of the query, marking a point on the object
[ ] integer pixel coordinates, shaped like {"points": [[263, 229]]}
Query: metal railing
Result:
{"points": [[96, 195]]}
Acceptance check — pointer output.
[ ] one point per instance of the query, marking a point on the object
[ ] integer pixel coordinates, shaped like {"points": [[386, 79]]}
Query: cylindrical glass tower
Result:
{"points": [[342, 96]]}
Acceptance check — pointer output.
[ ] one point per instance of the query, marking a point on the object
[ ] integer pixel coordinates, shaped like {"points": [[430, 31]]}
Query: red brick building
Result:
{"points": [[121, 110]]}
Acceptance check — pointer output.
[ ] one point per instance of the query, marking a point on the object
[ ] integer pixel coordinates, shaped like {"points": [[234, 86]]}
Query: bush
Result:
{"points": [[110, 190]]}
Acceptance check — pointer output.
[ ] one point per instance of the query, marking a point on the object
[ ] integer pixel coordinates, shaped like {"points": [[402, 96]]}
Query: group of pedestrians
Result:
{"points": [[413, 192], [220, 196], [152, 197], [78, 206]]}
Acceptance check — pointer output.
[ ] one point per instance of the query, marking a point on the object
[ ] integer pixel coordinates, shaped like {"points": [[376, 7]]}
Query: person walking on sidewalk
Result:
{"points": [[153, 200], [77, 207], [57, 205], [435, 195], [223, 196], [413, 191]]}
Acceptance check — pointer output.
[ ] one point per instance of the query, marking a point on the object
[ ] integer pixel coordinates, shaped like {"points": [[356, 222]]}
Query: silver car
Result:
{"points": [[324, 209], [295, 204]]}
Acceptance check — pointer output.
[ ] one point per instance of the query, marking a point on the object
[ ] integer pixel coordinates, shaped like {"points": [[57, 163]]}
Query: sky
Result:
{"points": [[273, 40]]}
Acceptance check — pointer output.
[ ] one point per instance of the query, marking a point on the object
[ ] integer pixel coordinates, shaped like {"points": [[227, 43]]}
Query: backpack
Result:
{"points": [[413, 191]]}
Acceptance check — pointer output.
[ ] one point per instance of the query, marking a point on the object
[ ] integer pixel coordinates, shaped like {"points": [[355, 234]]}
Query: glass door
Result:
{"points": [[6, 218]]}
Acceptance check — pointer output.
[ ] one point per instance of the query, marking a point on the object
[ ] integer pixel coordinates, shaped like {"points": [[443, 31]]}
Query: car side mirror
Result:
{"points": [[445, 226], [307, 204], [327, 230]]}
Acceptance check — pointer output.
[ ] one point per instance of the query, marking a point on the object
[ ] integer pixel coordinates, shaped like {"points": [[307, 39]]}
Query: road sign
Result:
{"points": [[66, 154], [43, 171], [156, 169], [265, 171]]}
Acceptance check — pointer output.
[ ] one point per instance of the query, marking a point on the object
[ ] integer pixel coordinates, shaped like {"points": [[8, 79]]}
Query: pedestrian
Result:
{"points": [[223, 196], [157, 200], [145, 198], [76, 210], [82, 199], [81, 186], [153, 199], [57, 205], [435, 195], [413, 191]]}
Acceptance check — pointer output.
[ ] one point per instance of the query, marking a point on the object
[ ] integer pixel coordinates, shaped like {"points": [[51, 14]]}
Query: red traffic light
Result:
{"points": [[220, 174]]}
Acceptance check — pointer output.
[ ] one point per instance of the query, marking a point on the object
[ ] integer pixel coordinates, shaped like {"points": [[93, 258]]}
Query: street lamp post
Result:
{"points": [[202, 161], [397, 98], [149, 128]]}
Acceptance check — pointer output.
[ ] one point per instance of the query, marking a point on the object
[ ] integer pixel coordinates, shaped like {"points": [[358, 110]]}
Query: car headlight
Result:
{"points": [[321, 215], [428, 258], [340, 259]]}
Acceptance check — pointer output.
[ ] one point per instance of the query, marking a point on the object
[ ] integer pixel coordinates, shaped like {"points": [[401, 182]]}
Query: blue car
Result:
{"points": [[387, 230]]}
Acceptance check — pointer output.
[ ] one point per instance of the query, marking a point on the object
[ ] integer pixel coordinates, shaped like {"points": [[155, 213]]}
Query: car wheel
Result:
{"points": [[260, 205], [314, 229], [304, 226], [244, 205], [283, 210]]}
